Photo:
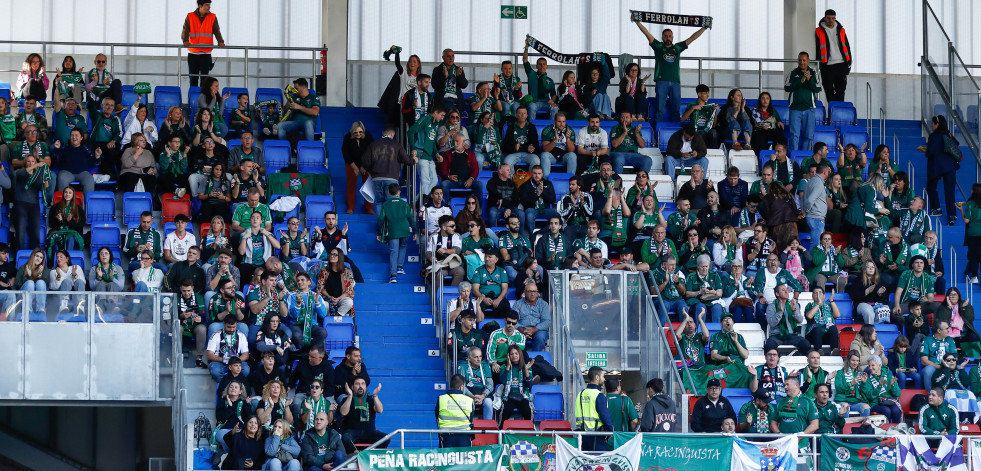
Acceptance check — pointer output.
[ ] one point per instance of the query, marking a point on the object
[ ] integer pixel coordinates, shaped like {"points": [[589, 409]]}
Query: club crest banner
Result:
{"points": [[776, 455], [623, 458], [841, 456]]}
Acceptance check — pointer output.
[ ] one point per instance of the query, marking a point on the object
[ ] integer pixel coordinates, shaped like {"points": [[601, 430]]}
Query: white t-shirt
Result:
{"points": [[178, 246], [431, 215], [769, 285], [592, 141], [834, 50], [437, 241], [228, 350]]}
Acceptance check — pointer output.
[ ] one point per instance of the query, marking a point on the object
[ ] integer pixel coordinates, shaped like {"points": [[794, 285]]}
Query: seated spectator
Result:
{"points": [[316, 404], [521, 141], [598, 83], [797, 413], [201, 158], [534, 317], [727, 250], [784, 319], [32, 81], [711, 218], [227, 303], [144, 238], [273, 337], [951, 375], [246, 446], [680, 221], [242, 218], [915, 222], [177, 244], [216, 194], [692, 249], [735, 292], [592, 146], [786, 171], [933, 349], [938, 417], [851, 165], [247, 151], [581, 247], [240, 120], [257, 245], [351, 368], [633, 93], [759, 247], [513, 247], [234, 375], [446, 246], [475, 244], [733, 194], [900, 196], [394, 228], [820, 155], [530, 270], [246, 179], [710, 410], [573, 98], [101, 84], [658, 246], [838, 205], [558, 145], [263, 301], [755, 415], [274, 405], [703, 289], [221, 270], [626, 139], [931, 250], [67, 116], [576, 209], [448, 131], [213, 241], [849, 384], [601, 186], [321, 447], [138, 164], [30, 117], [469, 212], [33, 276], [460, 169], [866, 344], [822, 316], [686, 148], [359, 409], [537, 197], [552, 248], [770, 376], [767, 124], [137, 123], [336, 285], [465, 335], [432, 211], [225, 345], [515, 382], [646, 217], [190, 313], [487, 139], [280, 446], [486, 100], [303, 311], [827, 265], [812, 375], [174, 125], [735, 118], [232, 411], [66, 220], [642, 187], [903, 364], [479, 384], [914, 285], [303, 375], [74, 160], [173, 168], [106, 275], [65, 276], [210, 100], [703, 116], [959, 314], [206, 127], [491, 286], [870, 295], [353, 147]]}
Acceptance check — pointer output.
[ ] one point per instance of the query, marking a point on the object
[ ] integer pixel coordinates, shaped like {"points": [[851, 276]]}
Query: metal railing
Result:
{"points": [[868, 109], [173, 57]]}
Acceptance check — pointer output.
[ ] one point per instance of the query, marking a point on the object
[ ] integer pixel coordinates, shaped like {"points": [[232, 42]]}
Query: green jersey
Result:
{"points": [[695, 282], [722, 344], [703, 118], [693, 349], [829, 420], [510, 241], [243, 214], [491, 283], [272, 307], [422, 137], [935, 349], [308, 101], [758, 419], [497, 351], [8, 128], [916, 288], [21, 149], [622, 411], [973, 214], [629, 143], [561, 139], [219, 304], [677, 223], [793, 415], [667, 61], [615, 226], [65, 124]]}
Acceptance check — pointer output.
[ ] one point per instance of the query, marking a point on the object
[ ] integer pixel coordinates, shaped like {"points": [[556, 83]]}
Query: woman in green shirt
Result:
{"points": [[881, 391], [851, 165], [971, 214], [864, 209], [882, 165], [642, 187], [645, 220], [900, 197], [848, 385], [476, 239], [839, 203]]}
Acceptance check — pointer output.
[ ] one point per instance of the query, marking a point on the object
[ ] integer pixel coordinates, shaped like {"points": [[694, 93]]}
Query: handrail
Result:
{"points": [[953, 267], [868, 108], [882, 127]]}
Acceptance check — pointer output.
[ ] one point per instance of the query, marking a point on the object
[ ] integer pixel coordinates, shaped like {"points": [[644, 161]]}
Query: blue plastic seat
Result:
{"points": [[826, 134], [110, 319], [77, 257], [888, 339], [339, 335], [561, 183], [233, 143], [765, 156], [116, 256], [310, 157], [532, 354], [171, 227], [192, 99], [799, 156], [664, 132], [22, 257], [165, 97], [129, 97], [316, 206], [858, 136], [820, 114], [32, 317], [842, 113], [134, 204], [100, 207], [263, 94], [738, 401], [548, 405], [70, 317], [104, 235], [277, 154]]}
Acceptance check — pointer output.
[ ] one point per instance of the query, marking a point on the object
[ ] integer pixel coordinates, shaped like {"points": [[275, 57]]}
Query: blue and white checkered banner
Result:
{"points": [[915, 454]]}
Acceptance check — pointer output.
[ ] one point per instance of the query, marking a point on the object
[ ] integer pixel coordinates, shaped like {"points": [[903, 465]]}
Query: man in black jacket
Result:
{"points": [[188, 269], [321, 448], [449, 80], [383, 161], [502, 196], [685, 149], [660, 413], [316, 367], [710, 410], [352, 367], [537, 196]]}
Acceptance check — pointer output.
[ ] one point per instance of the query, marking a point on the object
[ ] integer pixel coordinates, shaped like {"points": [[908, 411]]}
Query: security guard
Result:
{"points": [[198, 35], [454, 411], [593, 415]]}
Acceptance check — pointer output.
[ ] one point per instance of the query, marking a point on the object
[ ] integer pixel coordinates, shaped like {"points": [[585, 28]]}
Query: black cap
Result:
{"points": [[714, 382], [761, 394]]}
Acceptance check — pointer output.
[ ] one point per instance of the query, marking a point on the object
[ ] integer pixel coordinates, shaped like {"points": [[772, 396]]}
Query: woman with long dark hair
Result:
{"points": [[767, 126], [959, 314], [900, 196], [211, 100], [633, 93], [781, 215], [246, 446], [943, 159], [971, 214], [336, 284], [66, 220], [273, 336], [515, 385], [866, 344], [32, 81], [572, 97], [69, 81], [735, 120]]}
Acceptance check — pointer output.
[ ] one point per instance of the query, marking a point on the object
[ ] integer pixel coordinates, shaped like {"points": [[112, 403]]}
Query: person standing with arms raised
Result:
{"points": [[667, 71], [200, 30]]}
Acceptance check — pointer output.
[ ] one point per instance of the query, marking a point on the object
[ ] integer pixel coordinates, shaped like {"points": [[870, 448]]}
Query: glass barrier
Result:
{"points": [[87, 346]]}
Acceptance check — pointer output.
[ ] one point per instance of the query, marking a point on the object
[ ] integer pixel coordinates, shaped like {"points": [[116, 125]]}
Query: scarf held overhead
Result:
{"points": [[670, 19], [565, 58]]}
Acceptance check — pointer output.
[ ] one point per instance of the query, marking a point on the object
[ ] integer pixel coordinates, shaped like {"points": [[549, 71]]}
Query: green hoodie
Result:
{"points": [[801, 93]]}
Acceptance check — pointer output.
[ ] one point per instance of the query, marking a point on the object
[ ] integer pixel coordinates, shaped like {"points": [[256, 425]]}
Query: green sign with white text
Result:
{"points": [[511, 12], [681, 452], [596, 359], [478, 458]]}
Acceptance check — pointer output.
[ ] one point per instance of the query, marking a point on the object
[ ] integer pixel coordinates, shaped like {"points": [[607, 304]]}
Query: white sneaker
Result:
{"points": [[64, 304], [974, 280]]}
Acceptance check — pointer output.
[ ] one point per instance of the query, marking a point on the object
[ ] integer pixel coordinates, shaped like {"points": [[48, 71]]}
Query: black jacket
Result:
{"points": [[660, 415], [707, 418], [509, 142], [528, 194], [343, 374], [505, 191], [677, 139], [305, 373], [439, 86]]}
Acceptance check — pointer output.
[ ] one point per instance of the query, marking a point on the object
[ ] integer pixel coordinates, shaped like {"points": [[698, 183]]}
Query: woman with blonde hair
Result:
{"points": [[355, 143], [274, 404], [282, 448], [174, 125], [214, 239], [727, 249], [33, 276], [868, 293]]}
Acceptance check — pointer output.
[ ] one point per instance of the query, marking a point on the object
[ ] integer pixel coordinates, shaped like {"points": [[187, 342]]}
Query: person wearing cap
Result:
{"points": [[200, 30], [710, 410], [830, 418], [727, 346], [795, 413], [454, 411], [466, 336], [754, 416], [914, 285], [225, 345], [592, 414]]}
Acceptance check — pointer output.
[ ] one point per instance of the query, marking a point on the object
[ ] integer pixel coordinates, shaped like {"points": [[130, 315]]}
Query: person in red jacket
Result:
{"points": [[459, 169], [834, 54]]}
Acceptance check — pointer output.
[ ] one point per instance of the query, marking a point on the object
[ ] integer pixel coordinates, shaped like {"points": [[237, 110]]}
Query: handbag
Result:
{"points": [[890, 401], [520, 177], [952, 147], [284, 456]]}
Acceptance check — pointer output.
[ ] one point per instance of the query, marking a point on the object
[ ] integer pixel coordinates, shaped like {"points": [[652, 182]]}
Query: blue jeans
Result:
{"points": [[476, 187], [274, 464], [539, 340], [381, 189], [219, 369], [494, 213], [739, 126], [305, 125], [677, 307], [668, 93], [670, 163], [141, 287], [741, 313], [338, 459], [428, 178], [523, 157], [927, 374], [27, 215], [488, 408], [914, 377], [481, 158], [637, 161], [601, 104], [37, 301], [396, 253], [528, 216], [714, 310], [817, 228], [548, 159], [536, 105], [801, 130]]}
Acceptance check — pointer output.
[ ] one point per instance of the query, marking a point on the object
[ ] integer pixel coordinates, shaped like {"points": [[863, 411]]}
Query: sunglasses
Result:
{"points": [[100, 62], [511, 323], [471, 225]]}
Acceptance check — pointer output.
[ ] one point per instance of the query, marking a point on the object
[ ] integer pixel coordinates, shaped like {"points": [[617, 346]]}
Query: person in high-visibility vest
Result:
{"points": [[834, 55], [593, 415], [199, 33], [454, 411]]}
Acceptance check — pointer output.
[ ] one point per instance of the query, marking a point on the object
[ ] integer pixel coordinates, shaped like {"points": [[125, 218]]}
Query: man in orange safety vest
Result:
{"points": [[199, 34]]}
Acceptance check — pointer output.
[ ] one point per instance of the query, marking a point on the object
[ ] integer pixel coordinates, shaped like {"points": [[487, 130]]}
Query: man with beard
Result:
{"points": [[359, 409]]}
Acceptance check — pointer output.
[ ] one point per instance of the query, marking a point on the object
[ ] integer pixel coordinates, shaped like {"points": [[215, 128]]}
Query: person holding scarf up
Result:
{"points": [[448, 82], [303, 311], [667, 69]]}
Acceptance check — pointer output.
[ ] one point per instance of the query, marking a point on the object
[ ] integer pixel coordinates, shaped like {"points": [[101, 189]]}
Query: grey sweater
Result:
{"points": [[815, 202]]}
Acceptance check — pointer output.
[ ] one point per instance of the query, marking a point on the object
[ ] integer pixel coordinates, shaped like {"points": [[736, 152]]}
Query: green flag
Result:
{"points": [[479, 458], [681, 452], [840, 456], [530, 452]]}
